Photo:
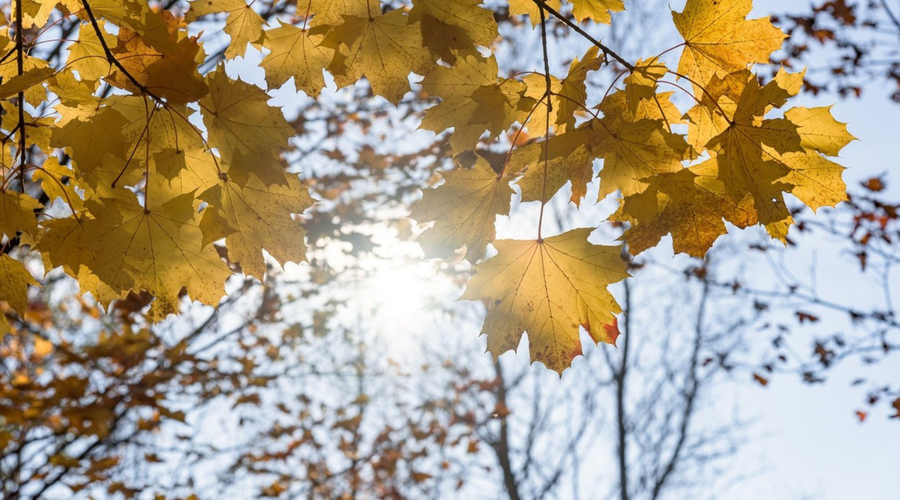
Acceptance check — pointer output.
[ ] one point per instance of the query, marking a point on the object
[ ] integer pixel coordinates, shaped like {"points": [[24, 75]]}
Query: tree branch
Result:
{"points": [[606, 50], [112, 58], [620, 376], [20, 63], [501, 446], [690, 396]]}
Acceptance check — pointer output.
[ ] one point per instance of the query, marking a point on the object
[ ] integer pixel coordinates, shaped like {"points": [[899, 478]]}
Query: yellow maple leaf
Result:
{"points": [[34, 94], [150, 129], [64, 243], [641, 83], [719, 39], [25, 81], [51, 175], [689, 204], [596, 10], [814, 180], [154, 25], [173, 77], [384, 48], [256, 217], [90, 134], [35, 13], [473, 101], [86, 54], [296, 53], [763, 158], [464, 208], [531, 9], [658, 107], [242, 23], [71, 91], [245, 129], [155, 247], [567, 96], [549, 289], [450, 28], [635, 151], [332, 12], [819, 130], [548, 165], [14, 281], [17, 213]]}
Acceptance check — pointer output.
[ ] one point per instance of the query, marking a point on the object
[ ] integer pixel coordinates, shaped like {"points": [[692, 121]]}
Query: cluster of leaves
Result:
{"points": [[733, 165], [148, 161]]}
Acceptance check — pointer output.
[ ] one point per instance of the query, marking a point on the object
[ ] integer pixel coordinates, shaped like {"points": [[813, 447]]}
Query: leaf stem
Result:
{"points": [[548, 95]]}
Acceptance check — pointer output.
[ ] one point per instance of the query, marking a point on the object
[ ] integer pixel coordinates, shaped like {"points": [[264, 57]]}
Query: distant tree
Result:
{"points": [[847, 44]]}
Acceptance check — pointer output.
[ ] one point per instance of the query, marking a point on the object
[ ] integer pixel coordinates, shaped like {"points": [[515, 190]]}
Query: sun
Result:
{"points": [[403, 295]]}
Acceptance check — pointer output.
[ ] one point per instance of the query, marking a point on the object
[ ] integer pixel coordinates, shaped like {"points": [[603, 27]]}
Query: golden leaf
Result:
{"points": [[549, 288], [464, 209]]}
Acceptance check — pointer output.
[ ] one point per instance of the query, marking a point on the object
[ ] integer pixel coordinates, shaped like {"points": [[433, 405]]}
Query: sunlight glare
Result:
{"points": [[402, 295]]}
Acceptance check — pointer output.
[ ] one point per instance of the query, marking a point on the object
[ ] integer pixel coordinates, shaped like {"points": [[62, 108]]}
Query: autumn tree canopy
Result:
{"points": [[127, 161]]}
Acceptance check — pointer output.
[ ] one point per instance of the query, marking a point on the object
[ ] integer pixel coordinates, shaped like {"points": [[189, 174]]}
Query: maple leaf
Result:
{"points": [[567, 97], [34, 12], [242, 23], [689, 204], [296, 53], [245, 129], [17, 213], [25, 81], [641, 83], [548, 165], [596, 10], [71, 91], [170, 76], [633, 152], [454, 27], [819, 130], [34, 94], [464, 208], [87, 55], [64, 243], [816, 180], [51, 175], [384, 48], [155, 26], [14, 282], [763, 158], [720, 40], [90, 134], [473, 101], [155, 247], [332, 12], [548, 288], [616, 109], [254, 217], [531, 9]]}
